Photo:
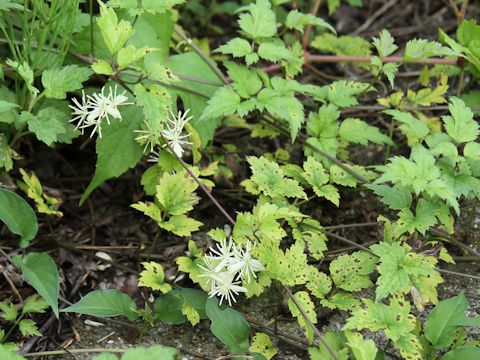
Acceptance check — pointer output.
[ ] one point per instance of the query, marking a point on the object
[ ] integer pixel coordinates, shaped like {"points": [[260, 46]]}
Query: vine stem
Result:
{"points": [[232, 221]]}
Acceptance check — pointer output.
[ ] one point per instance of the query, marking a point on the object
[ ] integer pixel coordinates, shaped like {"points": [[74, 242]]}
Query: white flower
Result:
{"points": [[224, 287], [149, 136], [224, 253], [173, 133], [97, 107], [244, 264]]}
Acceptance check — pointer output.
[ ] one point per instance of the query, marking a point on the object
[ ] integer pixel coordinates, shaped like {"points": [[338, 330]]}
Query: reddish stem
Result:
{"points": [[308, 31]]}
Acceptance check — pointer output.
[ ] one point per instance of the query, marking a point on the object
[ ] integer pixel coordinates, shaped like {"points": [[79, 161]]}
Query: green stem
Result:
{"points": [[12, 328]]}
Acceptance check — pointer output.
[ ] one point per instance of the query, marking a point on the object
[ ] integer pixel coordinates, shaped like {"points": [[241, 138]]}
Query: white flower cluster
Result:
{"points": [[227, 267], [173, 134], [93, 109]]}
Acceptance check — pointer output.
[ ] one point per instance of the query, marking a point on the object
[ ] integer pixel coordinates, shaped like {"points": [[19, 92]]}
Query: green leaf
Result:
{"points": [[153, 277], [40, 271], [117, 149], [352, 272], [262, 344], [7, 354], [238, 47], [130, 55], [6, 154], [105, 303], [274, 51], [155, 101], [335, 342], [258, 20], [229, 326], [27, 327], [308, 307], [415, 130], [385, 44], [271, 180], [114, 33], [175, 193], [224, 101], [25, 72], [361, 349], [421, 221], [191, 64], [245, 81], [397, 198], [443, 321], [344, 93], [102, 67], [400, 270], [460, 125], [359, 132], [57, 82], [48, 125], [9, 310], [34, 304], [463, 352], [342, 45], [18, 216], [169, 308], [418, 49], [181, 225], [155, 352], [105, 356], [298, 21], [395, 320], [472, 151]]}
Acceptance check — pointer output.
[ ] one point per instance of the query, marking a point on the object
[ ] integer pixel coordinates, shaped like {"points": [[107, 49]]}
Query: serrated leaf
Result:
{"points": [[342, 45], [342, 301], [385, 44], [257, 20], [298, 21], [415, 130], [245, 81], [418, 49], [358, 131], [400, 270], [308, 307], [130, 55], [274, 51], [351, 272], [224, 101], [176, 193], [41, 272], [27, 327], [192, 315], [155, 101], [362, 349], [229, 326], [344, 93], [19, 217], [48, 125], [114, 33], [397, 198], [460, 125], [238, 47], [9, 311], [153, 277], [117, 149], [105, 303], [262, 344], [34, 304], [102, 67], [472, 151], [181, 225], [271, 180], [57, 82]]}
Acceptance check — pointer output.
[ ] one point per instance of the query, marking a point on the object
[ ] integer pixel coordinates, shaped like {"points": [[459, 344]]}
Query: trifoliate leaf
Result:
{"points": [[323, 127], [57, 82], [318, 178], [400, 270], [359, 132], [176, 193], [257, 20], [460, 125], [27, 327], [385, 44], [262, 344], [271, 180], [395, 320], [153, 277], [415, 130], [351, 272], [114, 33], [304, 301]]}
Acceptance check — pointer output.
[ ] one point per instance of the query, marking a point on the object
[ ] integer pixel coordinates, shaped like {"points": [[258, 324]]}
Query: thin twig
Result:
{"points": [[308, 31]]}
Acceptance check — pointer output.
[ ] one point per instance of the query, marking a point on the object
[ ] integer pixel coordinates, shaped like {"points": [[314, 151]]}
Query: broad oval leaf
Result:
{"points": [[464, 353], [229, 326], [444, 319], [18, 216], [117, 149], [105, 303], [41, 272], [168, 307]]}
